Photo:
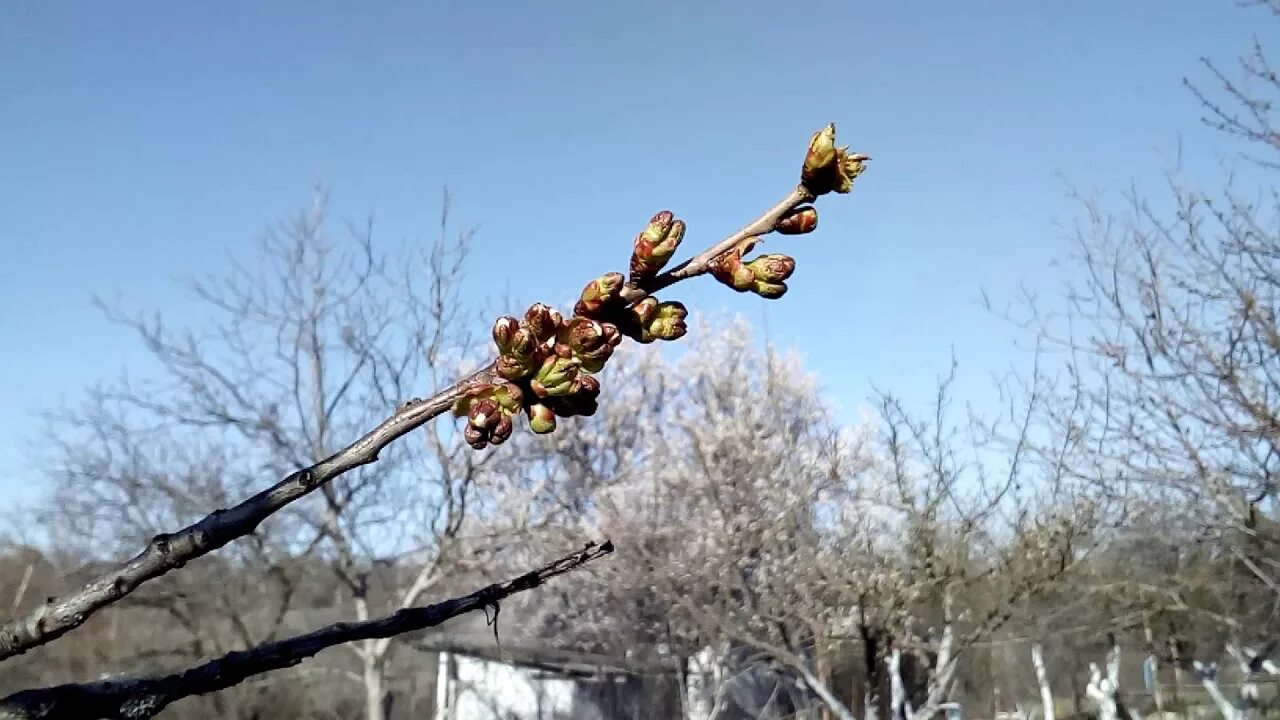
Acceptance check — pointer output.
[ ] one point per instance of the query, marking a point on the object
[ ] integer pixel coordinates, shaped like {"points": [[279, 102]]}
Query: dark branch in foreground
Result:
{"points": [[140, 698]]}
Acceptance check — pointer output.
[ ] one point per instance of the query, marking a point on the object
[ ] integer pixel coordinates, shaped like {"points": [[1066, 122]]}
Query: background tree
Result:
{"points": [[1171, 371], [798, 556], [307, 341]]}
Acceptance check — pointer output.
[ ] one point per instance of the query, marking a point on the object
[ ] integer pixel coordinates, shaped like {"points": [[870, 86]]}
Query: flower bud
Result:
{"points": [[555, 377], [820, 155], [483, 414], [588, 388], [505, 396], [645, 309], [655, 246], [486, 423], [729, 268], [582, 334], [768, 273], [828, 168], [769, 290], [510, 368], [773, 267], [589, 341], [542, 321], [582, 402], [541, 419], [652, 320], [799, 221], [475, 437], [502, 432], [599, 293], [504, 330], [517, 348], [668, 324]]}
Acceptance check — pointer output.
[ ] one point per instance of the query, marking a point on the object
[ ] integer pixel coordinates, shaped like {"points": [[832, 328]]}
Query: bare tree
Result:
{"points": [[762, 537], [309, 340], [544, 369], [1170, 347]]}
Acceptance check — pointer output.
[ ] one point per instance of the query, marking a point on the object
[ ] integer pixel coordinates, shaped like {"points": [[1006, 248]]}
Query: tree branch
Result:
{"points": [[167, 552], [141, 698]]}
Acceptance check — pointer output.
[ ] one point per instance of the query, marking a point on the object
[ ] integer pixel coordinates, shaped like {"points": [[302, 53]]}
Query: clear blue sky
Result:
{"points": [[140, 141]]}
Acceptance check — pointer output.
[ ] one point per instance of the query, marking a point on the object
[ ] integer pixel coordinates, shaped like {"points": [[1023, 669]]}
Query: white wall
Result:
{"points": [[474, 689]]}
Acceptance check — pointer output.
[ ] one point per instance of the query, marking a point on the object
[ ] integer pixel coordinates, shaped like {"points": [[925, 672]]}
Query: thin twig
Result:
{"points": [[141, 698], [167, 552]]}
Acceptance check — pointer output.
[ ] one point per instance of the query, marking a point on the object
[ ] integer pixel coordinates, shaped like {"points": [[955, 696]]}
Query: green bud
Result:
{"points": [[542, 419], [517, 348], [582, 402], [599, 294], [798, 221], [594, 360], [732, 272], [821, 153], [655, 246], [489, 408], [652, 320], [769, 290], [504, 330], [828, 168], [668, 323], [555, 377], [773, 267]]}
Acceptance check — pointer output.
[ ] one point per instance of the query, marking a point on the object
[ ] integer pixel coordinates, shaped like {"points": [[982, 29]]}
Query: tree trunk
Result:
{"points": [[823, 668], [375, 692], [872, 698]]}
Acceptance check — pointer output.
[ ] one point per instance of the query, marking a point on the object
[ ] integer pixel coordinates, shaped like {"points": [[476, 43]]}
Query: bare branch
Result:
{"points": [[141, 698]]}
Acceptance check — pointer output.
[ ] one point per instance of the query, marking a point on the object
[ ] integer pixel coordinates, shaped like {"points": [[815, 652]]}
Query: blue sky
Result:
{"points": [[141, 141]]}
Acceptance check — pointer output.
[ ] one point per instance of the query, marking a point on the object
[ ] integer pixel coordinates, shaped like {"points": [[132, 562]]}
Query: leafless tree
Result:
{"points": [[1169, 343], [308, 340], [761, 536]]}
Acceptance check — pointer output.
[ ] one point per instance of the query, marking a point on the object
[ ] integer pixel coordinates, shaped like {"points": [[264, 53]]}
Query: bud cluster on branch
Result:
{"points": [[546, 361]]}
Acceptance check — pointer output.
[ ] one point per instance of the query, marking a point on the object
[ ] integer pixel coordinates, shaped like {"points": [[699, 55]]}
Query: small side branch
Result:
{"points": [[141, 698]]}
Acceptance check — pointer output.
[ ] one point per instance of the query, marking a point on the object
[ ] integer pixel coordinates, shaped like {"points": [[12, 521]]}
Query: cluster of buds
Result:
{"points": [[543, 361], [828, 168], [489, 408], [546, 362], [764, 275]]}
